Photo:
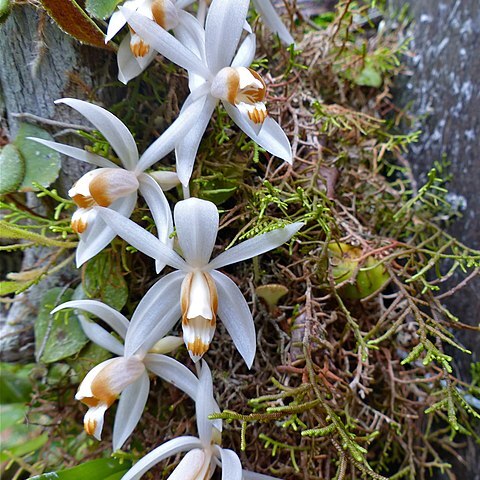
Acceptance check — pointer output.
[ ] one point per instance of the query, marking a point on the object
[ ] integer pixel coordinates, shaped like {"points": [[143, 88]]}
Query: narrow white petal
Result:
{"points": [[196, 222], [115, 24], [247, 475], [187, 148], [191, 34], [173, 372], [273, 21], [129, 66], [112, 128], [106, 313], [223, 29], [174, 133], [236, 316], [76, 153], [256, 245], [246, 53], [165, 43], [271, 136], [140, 238], [98, 235], [130, 408], [100, 336], [193, 466], [172, 447], [155, 315], [204, 404], [160, 210], [231, 465]]}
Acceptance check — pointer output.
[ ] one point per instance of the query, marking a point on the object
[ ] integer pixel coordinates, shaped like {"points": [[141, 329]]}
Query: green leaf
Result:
{"points": [[15, 384], [5, 9], [24, 447], [101, 469], [101, 8], [12, 167], [42, 164], [104, 280], [11, 415], [57, 336], [369, 77]]}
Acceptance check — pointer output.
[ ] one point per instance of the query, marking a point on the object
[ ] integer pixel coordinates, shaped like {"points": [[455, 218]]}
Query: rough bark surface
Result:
{"points": [[444, 93], [40, 64]]}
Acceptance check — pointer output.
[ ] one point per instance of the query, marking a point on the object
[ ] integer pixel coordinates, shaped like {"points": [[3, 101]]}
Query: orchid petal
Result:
{"points": [[247, 475], [115, 24], [193, 466], [231, 465], [106, 313], [204, 404], [130, 408], [246, 52], [100, 336], [173, 372], [256, 246], [223, 29], [155, 315], [235, 314], [112, 128], [196, 222], [129, 66], [98, 235], [172, 447], [174, 133], [271, 136], [160, 209], [165, 43], [140, 238], [165, 179], [272, 20], [190, 33], [76, 153], [187, 148]]}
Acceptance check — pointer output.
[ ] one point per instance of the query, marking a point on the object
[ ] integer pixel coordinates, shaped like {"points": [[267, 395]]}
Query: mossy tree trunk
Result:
{"points": [[444, 93], [39, 64]]}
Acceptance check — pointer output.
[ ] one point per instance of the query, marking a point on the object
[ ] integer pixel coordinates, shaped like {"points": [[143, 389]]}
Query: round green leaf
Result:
{"points": [[42, 164], [101, 8], [5, 9], [12, 168], [57, 336]]}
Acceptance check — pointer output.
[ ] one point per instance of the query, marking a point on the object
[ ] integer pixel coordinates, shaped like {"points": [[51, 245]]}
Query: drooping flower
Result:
{"points": [[125, 376], [135, 53], [204, 453], [198, 292], [116, 187], [218, 71]]}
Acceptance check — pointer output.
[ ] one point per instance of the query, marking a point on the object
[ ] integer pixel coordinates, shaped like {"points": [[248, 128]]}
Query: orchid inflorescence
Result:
{"points": [[216, 49]]}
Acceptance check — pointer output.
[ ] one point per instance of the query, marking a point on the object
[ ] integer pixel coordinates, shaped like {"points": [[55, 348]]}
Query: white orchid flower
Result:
{"points": [[135, 53], [198, 292], [126, 375], [204, 453], [217, 73], [116, 187]]}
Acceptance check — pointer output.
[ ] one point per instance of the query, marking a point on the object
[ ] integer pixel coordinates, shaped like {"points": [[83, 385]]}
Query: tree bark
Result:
{"points": [[444, 93], [41, 64]]}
